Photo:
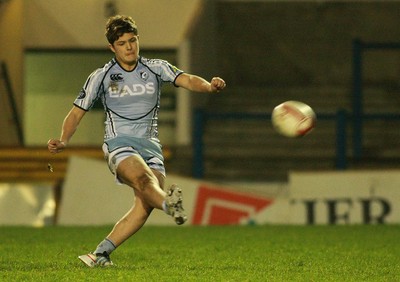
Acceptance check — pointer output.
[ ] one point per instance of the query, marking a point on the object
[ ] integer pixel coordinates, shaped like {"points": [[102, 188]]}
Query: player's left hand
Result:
{"points": [[217, 84]]}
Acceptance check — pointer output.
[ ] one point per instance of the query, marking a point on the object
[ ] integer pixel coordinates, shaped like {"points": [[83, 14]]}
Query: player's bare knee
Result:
{"points": [[144, 181]]}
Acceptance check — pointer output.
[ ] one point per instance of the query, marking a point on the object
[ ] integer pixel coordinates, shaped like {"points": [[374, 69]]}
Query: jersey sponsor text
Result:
{"points": [[132, 90]]}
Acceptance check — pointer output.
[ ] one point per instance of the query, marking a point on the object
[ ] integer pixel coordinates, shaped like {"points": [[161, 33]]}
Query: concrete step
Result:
{"points": [[266, 169]]}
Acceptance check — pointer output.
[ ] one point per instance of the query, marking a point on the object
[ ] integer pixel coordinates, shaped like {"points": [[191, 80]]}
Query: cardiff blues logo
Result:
{"points": [[82, 94], [144, 75]]}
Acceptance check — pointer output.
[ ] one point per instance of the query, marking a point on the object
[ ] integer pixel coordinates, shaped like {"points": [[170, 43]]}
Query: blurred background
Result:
{"points": [[340, 57]]}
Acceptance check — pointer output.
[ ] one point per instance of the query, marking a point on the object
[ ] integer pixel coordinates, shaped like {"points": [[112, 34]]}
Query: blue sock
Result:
{"points": [[106, 245], [165, 207]]}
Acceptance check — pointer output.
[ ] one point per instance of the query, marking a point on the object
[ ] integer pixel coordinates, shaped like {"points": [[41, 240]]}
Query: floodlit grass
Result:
{"points": [[225, 253]]}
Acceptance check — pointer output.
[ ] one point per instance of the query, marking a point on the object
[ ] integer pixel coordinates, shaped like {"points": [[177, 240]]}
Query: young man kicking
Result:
{"points": [[129, 87]]}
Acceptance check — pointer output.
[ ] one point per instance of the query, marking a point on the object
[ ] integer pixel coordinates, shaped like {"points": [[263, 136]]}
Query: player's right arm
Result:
{"points": [[69, 127]]}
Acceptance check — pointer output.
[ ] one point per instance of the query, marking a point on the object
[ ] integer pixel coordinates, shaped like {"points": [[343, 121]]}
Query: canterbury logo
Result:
{"points": [[116, 77]]}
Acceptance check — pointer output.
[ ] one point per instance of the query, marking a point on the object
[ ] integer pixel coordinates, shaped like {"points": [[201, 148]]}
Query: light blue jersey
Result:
{"points": [[131, 99]]}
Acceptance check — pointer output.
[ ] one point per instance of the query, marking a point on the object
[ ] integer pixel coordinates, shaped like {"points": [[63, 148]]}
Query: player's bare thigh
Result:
{"points": [[133, 170], [160, 177]]}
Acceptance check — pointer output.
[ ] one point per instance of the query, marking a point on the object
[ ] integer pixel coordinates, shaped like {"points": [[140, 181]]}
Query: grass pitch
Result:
{"points": [[223, 253]]}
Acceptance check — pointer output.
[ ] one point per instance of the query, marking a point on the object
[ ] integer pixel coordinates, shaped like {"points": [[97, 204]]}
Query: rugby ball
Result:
{"points": [[293, 119]]}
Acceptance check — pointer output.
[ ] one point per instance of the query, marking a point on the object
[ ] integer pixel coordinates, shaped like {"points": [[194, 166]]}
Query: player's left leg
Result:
{"points": [[131, 222], [128, 225]]}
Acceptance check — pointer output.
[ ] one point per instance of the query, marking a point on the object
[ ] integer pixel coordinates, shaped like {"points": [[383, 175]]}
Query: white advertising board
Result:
{"points": [[350, 197], [91, 197]]}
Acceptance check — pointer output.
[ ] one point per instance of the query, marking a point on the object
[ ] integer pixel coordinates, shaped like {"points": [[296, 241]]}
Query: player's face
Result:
{"points": [[126, 49]]}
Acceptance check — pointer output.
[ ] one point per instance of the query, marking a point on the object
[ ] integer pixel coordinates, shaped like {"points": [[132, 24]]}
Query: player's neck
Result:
{"points": [[128, 66]]}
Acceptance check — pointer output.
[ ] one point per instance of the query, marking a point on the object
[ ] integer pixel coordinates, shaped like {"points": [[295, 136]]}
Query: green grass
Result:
{"points": [[231, 253]]}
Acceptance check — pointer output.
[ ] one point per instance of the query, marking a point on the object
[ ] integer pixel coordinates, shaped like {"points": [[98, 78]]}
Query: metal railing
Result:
{"points": [[342, 120], [359, 47], [12, 103]]}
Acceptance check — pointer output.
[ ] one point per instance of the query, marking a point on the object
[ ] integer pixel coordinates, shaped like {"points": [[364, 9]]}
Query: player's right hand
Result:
{"points": [[55, 146]]}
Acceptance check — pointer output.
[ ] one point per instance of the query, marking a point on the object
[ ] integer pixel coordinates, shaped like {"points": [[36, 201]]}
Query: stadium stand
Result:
{"points": [[293, 51]]}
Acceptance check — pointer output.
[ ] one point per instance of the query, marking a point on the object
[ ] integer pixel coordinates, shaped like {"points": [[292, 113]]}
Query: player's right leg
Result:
{"points": [[173, 201], [175, 206], [146, 177], [134, 172]]}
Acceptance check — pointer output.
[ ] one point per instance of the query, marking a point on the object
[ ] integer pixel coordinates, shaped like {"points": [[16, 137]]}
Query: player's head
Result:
{"points": [[116, 26]]}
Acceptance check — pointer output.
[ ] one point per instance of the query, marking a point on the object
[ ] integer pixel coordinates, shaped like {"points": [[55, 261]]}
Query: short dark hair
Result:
{"points": [[116, 26]]}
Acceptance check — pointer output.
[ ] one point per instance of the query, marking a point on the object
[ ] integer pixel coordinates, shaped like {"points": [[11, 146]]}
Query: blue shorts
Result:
{"points": [[119, 148]]}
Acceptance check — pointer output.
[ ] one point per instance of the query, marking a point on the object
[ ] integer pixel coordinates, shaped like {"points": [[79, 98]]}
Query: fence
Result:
{"points": [[342, 118], [10, 96]]}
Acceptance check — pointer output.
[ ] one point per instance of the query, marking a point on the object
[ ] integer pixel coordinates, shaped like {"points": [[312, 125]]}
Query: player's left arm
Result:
{"points": [[198, 84]]}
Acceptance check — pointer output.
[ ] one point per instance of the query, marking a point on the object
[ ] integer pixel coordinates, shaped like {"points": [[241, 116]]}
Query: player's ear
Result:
{"points": [[111, 47]]}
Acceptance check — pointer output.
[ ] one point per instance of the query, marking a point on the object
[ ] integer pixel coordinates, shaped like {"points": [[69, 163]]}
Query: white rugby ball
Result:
{"points": [[293, 119]]}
